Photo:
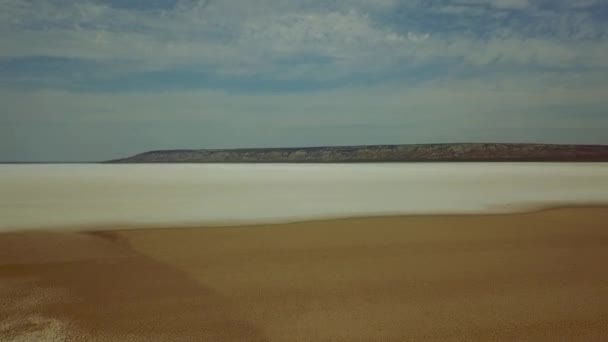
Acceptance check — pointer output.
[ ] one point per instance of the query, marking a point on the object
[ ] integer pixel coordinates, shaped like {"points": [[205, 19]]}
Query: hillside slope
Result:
{"points": [[380, 153]]}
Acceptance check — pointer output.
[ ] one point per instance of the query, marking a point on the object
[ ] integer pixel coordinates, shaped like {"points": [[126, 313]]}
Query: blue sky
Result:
{"points": [[93, 80]]}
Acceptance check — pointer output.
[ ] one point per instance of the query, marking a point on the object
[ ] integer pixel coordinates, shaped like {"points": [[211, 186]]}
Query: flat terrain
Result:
{"points": [[522, 277]]}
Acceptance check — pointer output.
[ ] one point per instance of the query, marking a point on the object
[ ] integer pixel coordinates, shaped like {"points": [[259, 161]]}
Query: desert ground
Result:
{"points": [[536, 276]]}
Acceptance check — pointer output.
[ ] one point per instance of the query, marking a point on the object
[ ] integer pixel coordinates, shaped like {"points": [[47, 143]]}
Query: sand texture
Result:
{"points": [[520, 277]]}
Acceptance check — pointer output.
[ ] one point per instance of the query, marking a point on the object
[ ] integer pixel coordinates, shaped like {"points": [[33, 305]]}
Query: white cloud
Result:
{"points": [[580, 3], [501, 4], [237, 37], [222, 35]]}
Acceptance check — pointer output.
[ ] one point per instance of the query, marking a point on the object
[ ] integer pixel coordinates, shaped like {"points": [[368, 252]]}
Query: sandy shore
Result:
{"points": [[519, 277]]}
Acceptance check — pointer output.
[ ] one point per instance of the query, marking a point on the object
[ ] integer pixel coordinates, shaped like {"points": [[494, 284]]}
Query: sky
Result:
{"points": [[101, 79]]}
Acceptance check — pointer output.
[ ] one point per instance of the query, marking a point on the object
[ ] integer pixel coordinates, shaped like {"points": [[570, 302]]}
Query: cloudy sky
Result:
{"points": [[99, 79]]}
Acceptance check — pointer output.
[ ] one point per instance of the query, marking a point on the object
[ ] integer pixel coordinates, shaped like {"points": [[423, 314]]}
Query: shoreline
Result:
{"points": [[537, 275], [506, 210]]}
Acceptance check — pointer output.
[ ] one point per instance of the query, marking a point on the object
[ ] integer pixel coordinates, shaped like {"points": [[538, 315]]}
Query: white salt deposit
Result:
{"points": [[64, 196]]}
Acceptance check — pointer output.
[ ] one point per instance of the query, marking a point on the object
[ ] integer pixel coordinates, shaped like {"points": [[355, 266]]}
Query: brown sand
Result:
{"points": [[522, 277]]}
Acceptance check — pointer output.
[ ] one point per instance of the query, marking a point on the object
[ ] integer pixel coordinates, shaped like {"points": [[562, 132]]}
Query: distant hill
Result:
{"points": [[380, 153]]}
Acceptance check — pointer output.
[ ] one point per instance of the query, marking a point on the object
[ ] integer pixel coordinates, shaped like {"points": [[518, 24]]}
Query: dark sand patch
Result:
{"points": [[107, 292]]}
